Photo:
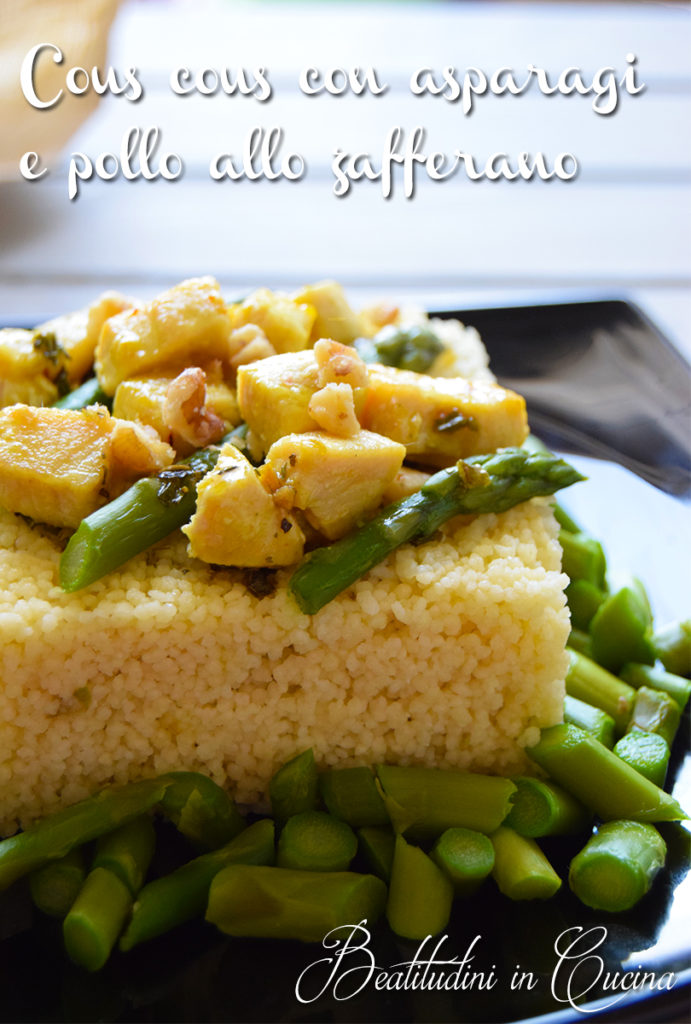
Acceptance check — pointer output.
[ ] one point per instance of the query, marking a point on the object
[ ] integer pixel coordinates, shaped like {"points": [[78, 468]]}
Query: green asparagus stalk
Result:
{"points": [[430, 800], [545, 809], [466, 857], [352, 795], [584, 599], [55, 887], [181, 896], [617, 866], [408, 348], [147, 512], [672, 645], [565, 521], [201, 810], [602, 782], [678, 688], [583, 558], [88, 393], [592, 720], [593, 684], [96, 918], [315, 841], [420, 894], [647, 752], [482, 483], [580, 642], [127, 852], [621, 628], [377, 845], [278, 903], [656, 712], [53, 837], [295, 786], [521, 870]]}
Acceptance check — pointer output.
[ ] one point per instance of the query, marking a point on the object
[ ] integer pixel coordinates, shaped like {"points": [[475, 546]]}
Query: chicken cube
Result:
{"points": [[27, 372], [334, 317], [237, 521], [286, 323], [77, 333], [274, 394], [337, 482], [58, 465], [187, 325], [143, 399], [442, 419]]}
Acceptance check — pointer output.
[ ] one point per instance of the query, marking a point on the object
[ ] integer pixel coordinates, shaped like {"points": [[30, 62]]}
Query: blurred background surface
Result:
{"points": [[620, 229]]}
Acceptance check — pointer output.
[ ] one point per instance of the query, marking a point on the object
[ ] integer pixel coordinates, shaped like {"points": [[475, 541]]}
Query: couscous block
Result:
{"points": [[449, 653], [58, 465], [187, 325], [442, 419]]}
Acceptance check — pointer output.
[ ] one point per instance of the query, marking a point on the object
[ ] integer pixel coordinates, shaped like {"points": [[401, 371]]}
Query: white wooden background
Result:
{"points": [[621, 229]]}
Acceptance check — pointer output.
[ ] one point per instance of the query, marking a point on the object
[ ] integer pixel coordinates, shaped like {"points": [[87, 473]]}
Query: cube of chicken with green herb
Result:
{"points": [[76, 334], [237, 521], [59, 465], [338, 482], [442, 419], [185, 326], [286, 323]]}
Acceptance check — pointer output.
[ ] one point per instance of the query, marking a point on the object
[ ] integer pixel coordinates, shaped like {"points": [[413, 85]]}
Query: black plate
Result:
{"points": [[600, 380]]}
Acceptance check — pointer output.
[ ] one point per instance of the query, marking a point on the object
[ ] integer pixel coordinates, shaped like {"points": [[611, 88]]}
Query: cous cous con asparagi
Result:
{"points": [[450, 653]]}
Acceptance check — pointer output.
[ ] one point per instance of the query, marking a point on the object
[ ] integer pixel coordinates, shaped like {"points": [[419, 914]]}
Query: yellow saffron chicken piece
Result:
{"points": [[185, 326], [274, 394], [77, 333], [336, 481], [442, 419], [143, 399], [59, 465], [286, 323], [237, 521], [334, 317], [27, 373]]}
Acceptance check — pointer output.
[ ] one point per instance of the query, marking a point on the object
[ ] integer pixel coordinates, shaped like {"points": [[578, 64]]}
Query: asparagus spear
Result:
{"points": [[352, 795], [678, 688], [655, 711], [55, 887], [466, 857], [377, 846], [420, 894], [88, 393], [314, 841], [53, 837], [127, 852], [147, 512], [424, 802], [182, 895], [589, 682], [295, 786], [583, 558], [592, 720], [672, 645], [482, 483], [521, 870], [599, 779], [647, 752], [201, 810], [621, 628], [617, 865], [91, 927], [543, 809], [278, 903]]}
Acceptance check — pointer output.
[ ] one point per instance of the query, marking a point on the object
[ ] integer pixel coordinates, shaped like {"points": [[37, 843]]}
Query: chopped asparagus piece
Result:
{"points": [[278, 903], [599, 779], [377, 846], [127, 852], [592, 720], [315, 841], [659, 679], [55, 887], [521, 870], [656, 712], [466, 857], [621, 628], [584, 599], [544, 809], [647, 752], [420, 894], [583, 558], [96, 918], [595, 685], [672, 645], [617, 866], [295, 786], [352, 795]]}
